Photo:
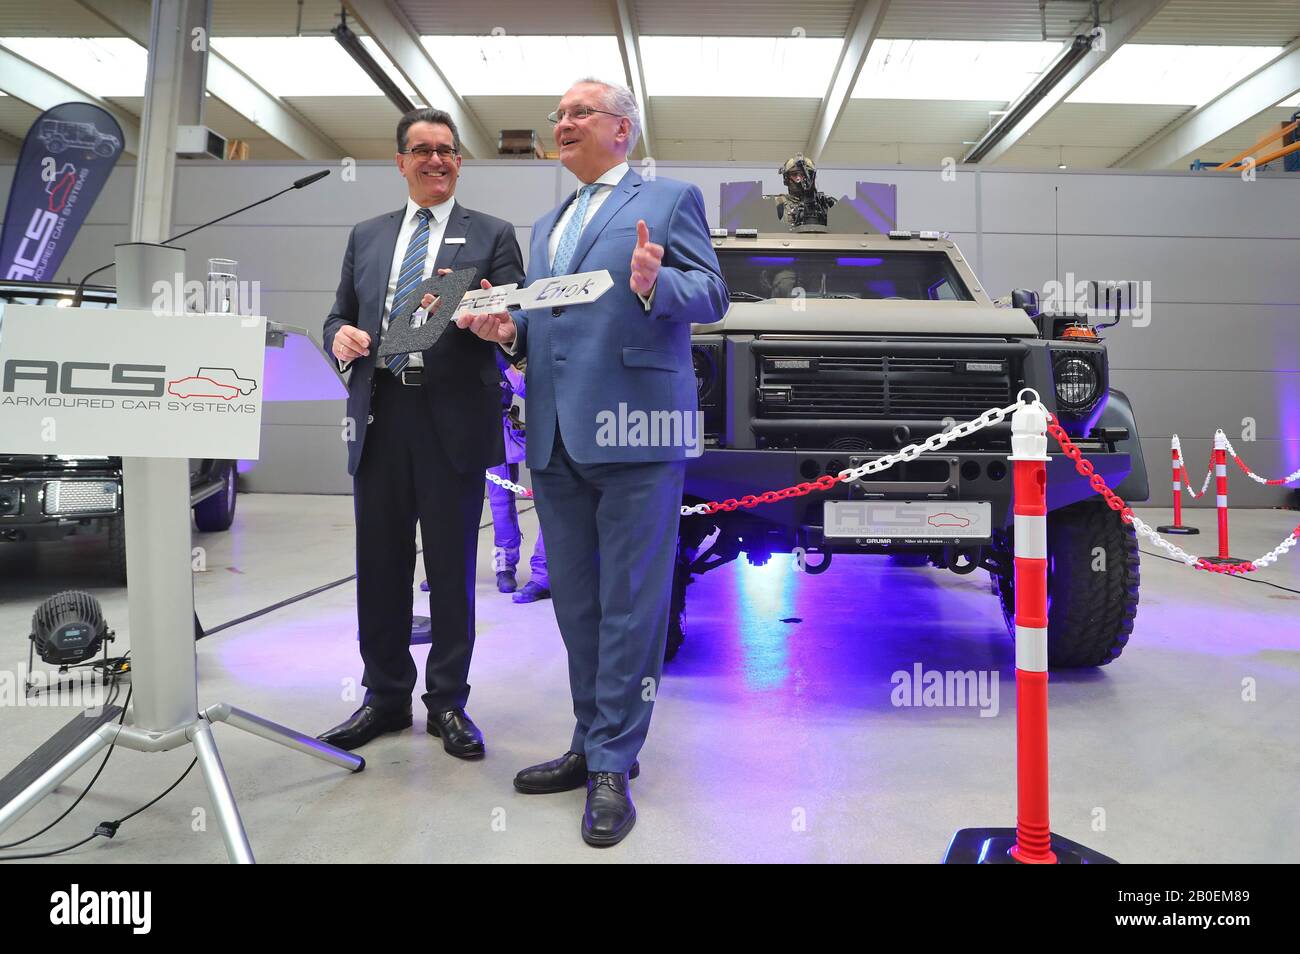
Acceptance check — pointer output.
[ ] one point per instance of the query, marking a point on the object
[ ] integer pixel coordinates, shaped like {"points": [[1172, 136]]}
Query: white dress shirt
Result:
{"points": [[437, 226], [608, 180], [612, 177]]}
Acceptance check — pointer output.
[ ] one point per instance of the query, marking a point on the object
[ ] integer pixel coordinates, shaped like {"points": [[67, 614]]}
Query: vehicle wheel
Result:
{"points": [[677, 609], [1090, 613], [117, 549], [103, 149], [218, 511], [56, 145]]}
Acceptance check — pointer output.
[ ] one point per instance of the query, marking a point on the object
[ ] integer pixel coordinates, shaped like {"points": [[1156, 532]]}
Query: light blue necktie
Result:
{"points": [[407, 280], [569, 240]]}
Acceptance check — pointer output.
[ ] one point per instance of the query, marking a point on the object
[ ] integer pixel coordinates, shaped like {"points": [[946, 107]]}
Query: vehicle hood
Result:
{"points": [[842, 316]]}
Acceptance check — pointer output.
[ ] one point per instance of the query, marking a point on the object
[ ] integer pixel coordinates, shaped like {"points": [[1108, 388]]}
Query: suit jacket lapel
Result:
{"points": [[384, 250], [457, 227], [539, 259], [626, 188]]}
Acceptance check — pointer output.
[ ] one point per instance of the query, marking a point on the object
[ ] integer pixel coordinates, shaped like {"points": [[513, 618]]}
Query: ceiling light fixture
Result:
{"points": [[352, 44], [1071, 55]]}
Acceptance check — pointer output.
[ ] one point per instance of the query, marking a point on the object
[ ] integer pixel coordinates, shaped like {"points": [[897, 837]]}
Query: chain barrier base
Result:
{"points": [[995, 846]]}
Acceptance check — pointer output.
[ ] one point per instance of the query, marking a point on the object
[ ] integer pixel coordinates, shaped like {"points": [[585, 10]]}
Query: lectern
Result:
{"points": [[156, 389]]}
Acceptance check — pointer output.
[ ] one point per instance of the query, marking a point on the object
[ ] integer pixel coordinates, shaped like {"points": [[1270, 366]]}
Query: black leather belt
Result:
{"points": [[411, 377]]}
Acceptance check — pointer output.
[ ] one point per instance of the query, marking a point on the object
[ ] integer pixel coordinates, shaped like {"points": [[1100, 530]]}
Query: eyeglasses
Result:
{"points": [[578, 113], [425, 152]]}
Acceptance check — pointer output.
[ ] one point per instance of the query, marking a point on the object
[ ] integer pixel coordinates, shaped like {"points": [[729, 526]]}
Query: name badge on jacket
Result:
{"points": [[454, 241]]}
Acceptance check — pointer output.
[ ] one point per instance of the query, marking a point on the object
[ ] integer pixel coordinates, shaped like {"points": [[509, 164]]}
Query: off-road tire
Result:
{"points": [[117, 549], [1090, 612], [217, 512]]}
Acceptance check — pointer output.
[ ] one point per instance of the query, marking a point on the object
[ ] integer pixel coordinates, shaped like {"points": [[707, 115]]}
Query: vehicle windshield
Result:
{"points": [[882, 274]]}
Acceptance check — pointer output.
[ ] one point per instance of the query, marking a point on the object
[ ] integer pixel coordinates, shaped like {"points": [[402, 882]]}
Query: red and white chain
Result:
{"points": [[1143, 529], [939, 441], [509, 485], [1294, 476], [1187, 480], [848, 475]]}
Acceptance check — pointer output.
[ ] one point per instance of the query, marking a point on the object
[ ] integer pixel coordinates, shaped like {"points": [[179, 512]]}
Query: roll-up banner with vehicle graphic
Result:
{"points": [[66, 159]]}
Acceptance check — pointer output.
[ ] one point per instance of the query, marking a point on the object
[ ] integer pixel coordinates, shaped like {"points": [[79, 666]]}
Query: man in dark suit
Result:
{"points": [[609, 499], [422, 428]]}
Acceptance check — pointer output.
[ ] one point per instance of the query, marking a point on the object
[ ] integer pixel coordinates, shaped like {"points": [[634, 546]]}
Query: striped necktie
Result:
{"points": [[569, 239], [407, 281]]}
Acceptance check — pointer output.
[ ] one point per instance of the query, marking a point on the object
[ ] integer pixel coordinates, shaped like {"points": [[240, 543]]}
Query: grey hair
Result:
{"points": [[619, 99]]}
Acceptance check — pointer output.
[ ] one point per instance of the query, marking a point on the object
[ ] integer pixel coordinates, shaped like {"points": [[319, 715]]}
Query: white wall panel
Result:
{"points": [[1223, 342]]}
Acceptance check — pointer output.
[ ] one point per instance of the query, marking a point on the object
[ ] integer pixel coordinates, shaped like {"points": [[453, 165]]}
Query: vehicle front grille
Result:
{"points": [[907, 387], [74, 497]]}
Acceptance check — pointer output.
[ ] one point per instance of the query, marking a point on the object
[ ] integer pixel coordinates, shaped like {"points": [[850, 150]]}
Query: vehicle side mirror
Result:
{"points": [[1027, 299]]}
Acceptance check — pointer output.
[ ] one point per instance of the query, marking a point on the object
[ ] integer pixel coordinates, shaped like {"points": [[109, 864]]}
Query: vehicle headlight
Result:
{"points": [[1077, 382]]}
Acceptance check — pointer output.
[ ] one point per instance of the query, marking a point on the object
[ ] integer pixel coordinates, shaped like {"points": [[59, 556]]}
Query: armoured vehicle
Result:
{"points": [[838, 349]]}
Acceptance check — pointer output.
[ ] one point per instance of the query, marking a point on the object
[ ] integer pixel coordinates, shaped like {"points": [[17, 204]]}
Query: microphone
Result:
{"points": [[298, 184], [308, 180]]}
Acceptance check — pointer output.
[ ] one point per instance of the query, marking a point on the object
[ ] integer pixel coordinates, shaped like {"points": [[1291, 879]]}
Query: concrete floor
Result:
{"points": [[775, 738]]}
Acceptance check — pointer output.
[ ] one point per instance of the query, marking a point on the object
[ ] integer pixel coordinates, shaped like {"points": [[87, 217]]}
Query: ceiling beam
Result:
{"points": [[1126, 20], [629, 47], [392, 31], [865, 24], [40, 89], [1277, 80], [228, 84]]}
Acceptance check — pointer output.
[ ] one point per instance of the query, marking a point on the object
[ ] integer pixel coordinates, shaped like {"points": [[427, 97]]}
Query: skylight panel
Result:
{"points": [[304, 65], [101, 66], [523, 65], [952, 69], [1170, 75], [738, 65]]}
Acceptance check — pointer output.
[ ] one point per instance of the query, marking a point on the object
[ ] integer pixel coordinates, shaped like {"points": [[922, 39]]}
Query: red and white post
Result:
{"points": [[1032, 840], [1221, 498], [1029, 479], [1176, 451]]}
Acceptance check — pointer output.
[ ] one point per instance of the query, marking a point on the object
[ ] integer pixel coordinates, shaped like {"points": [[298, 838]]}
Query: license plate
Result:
{"points": [[907, 522]]}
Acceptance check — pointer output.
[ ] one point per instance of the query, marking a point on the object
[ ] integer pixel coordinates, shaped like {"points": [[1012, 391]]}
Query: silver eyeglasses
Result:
{"points": [[578, 113], [425, 152]]}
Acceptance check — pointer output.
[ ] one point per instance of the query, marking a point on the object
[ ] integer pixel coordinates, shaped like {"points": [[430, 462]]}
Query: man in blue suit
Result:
{"points": [[612, 415], [422, 429]]}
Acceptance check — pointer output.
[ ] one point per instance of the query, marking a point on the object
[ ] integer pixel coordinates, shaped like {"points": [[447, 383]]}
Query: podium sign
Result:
{"points": [[126, 383]]}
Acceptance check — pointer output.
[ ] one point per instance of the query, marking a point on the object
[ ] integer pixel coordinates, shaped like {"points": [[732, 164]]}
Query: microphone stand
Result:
{"points": [[298, 184]]}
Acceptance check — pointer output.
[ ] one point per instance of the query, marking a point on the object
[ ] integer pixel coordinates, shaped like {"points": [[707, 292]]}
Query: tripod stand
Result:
{"points": [[198, 733]]}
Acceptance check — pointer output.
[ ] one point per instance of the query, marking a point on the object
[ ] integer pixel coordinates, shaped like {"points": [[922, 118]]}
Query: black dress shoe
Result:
{"points": [[460, 736], [365, 724], [531, 593], [610, 813], [564, 774]]}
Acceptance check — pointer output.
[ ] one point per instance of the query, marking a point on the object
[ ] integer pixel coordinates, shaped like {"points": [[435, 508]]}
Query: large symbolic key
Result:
{"points": [[403, 338]]}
